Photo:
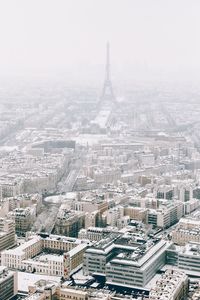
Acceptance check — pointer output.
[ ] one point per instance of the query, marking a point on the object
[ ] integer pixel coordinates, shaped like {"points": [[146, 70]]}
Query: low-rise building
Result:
{"points": [[48, 290], [52, 255], [187, 230], [182, 236], [69, 222], [173, 285], [95, 233]]}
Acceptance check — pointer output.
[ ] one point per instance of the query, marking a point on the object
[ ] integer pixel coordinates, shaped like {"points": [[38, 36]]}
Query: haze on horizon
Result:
{"points": [[70, 36]]}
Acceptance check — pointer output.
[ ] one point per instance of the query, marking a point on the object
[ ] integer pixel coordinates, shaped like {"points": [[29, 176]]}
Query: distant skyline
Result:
{"points": [[146, 36]]}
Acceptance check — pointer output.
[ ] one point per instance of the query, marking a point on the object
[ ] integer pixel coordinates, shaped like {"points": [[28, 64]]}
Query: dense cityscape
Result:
{"points": [[99, 150], [100, 197]]}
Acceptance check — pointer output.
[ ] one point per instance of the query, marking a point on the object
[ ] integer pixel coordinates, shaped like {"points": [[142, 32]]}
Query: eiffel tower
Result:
{"points": [[107, 93]]}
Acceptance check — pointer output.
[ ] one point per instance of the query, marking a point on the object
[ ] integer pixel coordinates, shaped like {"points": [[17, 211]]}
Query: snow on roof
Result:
{"points": [[33, 297], [77, 249], [20, 249], [27, 279]]}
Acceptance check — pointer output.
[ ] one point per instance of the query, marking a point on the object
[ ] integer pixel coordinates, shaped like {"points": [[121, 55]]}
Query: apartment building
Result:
{"points": [[95, 233], [52, 255], [166, 214], [173, 285], [23, 218], [105, 175], [186, 258], [8, 283], [69, 222], [136, 213], [7, 233], [10, 186], [187, 230], [48, 290], [165, 192], [4, 207], [182, 236], [86, 204]]}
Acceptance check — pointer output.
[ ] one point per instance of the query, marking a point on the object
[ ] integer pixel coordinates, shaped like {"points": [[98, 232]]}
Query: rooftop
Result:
{"points": [[4, 273], [28, 279], [167, 285]]}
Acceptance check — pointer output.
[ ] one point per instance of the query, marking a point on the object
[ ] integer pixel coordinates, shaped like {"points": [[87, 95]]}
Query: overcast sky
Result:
{"points": [[37, 35]]}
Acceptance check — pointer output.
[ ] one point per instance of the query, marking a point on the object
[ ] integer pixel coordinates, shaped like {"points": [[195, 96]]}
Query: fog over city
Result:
{"points": [[146, 36], [99, 149]]}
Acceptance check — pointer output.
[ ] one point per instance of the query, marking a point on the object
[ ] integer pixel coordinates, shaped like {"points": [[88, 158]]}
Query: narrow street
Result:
{"points": [[46, 219]]}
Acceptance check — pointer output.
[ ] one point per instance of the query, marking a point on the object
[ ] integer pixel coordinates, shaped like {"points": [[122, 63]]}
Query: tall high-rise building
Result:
{"points": [[107, 93]]}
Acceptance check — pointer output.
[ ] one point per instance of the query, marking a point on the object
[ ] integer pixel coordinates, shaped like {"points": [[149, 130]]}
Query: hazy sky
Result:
{"points": [[36, 35]]}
